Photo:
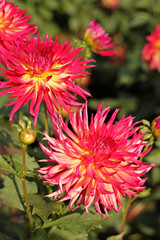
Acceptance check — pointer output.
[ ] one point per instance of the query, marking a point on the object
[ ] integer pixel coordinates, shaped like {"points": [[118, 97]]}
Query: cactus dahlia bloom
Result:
{"points": [[99, 41], [97, 162], [13, 24], [151, 50], [39, 71]]}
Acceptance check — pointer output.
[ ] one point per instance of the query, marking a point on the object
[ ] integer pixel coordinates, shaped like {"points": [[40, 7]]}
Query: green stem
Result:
{"points": [[25, 190], [47, 131], [46, 119], [124, 217]]}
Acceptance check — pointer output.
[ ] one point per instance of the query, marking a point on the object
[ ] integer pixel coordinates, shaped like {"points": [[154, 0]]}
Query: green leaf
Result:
{"points": [[41, 235], [116, 237], [60, 234], [78, 223], [144, 194], [140, 18], [155, 175], [5, 167], [12, 192], [42, 208], [17, 163], [153, 157], [9, 140]]}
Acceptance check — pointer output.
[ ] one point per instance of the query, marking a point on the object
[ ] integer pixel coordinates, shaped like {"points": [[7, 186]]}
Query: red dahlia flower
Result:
{"points": [[151, 50], [39, 71], [13, 24], [98, 40], [97, 162]]}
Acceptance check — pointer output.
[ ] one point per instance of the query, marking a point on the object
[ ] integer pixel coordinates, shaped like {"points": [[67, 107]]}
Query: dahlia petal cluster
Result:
{"points": [[96, 162], [98, 40], [13, 23], [43, 70], [151, 50]]}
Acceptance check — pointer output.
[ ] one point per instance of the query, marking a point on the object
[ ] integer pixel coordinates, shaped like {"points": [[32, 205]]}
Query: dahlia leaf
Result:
{"points": [[41, 235], [9, 139], [116, 237], [13, 188], [6, 168], [153, 157], [140, 19], [77, 223], [42, 208], [17, 163], [155, 176], [57, 234], [144, 194]]}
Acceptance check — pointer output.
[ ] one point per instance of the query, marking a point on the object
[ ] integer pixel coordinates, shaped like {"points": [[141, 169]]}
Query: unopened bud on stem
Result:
{"points": [[27, 136]]}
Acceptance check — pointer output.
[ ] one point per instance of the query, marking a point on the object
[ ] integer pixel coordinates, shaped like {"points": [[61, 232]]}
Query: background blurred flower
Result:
{"points": [[39, 71], [112, 4], [119, 58], [98, 40], [97, 162], [151, 50], [13, 24]]}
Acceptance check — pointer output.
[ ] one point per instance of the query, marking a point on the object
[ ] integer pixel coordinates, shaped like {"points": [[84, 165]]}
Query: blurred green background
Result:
{"points": [[122, 81]]}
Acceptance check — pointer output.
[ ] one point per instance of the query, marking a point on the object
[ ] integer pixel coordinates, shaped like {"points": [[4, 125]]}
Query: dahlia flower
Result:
{"points": [[43, 70], [96, 162], [151, 50], [13, 24], [99, 41]]}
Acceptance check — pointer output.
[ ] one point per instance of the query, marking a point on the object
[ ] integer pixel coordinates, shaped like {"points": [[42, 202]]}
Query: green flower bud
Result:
{"points": [[27, 136], [155, 127]]}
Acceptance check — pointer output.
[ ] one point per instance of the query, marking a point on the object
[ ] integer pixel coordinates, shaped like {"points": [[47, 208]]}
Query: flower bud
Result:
{"points": [[27, 136], [155, 127]]}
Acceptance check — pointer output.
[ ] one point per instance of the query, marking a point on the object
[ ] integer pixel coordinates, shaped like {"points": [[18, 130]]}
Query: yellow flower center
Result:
{"points": [[3, 23], [157, 44]]}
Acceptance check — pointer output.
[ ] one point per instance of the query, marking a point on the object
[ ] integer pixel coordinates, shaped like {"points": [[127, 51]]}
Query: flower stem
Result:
{"points": [[46, 119], [47, 131], [25, 190], [124, 217]]}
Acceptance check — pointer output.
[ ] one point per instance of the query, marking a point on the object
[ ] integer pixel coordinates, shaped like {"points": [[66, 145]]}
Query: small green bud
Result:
{"points": [[155, 127], [27, 136]]}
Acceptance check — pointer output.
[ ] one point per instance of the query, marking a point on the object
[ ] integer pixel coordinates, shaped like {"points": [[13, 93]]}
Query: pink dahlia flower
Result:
{"points": [[98, 40], [151, 50], [13, 24], [43, 70], [97, 162]]}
